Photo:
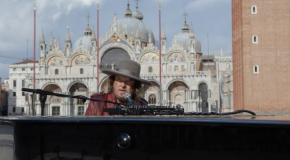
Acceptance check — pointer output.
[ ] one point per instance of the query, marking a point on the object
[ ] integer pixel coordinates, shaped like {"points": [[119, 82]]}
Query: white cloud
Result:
{"points": [[56, 16]]}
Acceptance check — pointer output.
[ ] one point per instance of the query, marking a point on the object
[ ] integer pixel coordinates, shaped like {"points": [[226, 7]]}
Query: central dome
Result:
{"points": [[86, 42], [129, 25], [183, 39]]}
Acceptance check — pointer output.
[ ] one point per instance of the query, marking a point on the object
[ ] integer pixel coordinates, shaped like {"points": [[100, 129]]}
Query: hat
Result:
{"points": [[127, 68]]}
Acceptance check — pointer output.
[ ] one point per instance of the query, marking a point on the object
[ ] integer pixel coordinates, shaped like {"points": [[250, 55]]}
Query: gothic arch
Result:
{"points": [[145, 52], [175, 80], [55, 55], [176, 51], [74, 82], [72, 57], [109, 46], [50, 83]]}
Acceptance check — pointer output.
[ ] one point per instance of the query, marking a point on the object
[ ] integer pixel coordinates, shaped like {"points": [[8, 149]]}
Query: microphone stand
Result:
{"points": [[43, 96]]}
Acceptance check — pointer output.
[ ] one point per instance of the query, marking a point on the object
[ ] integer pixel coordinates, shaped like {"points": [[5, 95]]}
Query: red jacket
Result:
{"points": [[96, 108]]}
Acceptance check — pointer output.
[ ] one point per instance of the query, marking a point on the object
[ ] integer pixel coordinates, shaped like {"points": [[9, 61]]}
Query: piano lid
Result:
{"points": [[237, 119]]}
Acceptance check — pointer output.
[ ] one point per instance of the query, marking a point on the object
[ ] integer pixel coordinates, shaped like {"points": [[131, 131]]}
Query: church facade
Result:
{"points": [[73, 69]]}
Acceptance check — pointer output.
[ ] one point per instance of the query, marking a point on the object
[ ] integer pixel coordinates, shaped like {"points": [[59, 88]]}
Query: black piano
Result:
{"points": [[145, 137]]}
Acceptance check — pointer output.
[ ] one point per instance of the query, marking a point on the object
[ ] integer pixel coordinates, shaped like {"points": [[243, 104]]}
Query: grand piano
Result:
{"points": [[144, 133], [145, 137]]}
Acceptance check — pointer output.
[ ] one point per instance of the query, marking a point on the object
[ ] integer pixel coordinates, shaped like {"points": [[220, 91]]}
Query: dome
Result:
{"points": [[129, 26], [183, 40], [86, 42], [138, 15]]}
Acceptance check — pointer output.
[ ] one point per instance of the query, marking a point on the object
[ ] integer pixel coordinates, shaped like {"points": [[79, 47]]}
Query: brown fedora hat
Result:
{"points": [[127, 68]]}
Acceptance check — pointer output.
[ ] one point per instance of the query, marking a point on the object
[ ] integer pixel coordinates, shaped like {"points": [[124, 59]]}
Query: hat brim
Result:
{"points": [[114, 72]]}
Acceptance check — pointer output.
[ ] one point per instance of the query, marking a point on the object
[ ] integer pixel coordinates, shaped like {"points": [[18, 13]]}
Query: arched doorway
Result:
{"points": [[53, 103], [77, 106], [203, 96], [152, 93], [177, 94], [111, 58]]}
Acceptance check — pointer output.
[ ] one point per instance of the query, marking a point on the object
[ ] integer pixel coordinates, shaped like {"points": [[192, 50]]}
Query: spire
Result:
{"points": [[42, 41], [68, 40], [88, 16], [137, 33], [58, 44], [88, 31], [137, 14], [93, 36], [51, 45], [185, 27], [163, 36], [128, 12], [191, 32]]}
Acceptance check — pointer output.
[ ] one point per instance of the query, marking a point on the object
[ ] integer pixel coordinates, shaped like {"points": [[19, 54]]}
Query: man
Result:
{"points": [[121, 81]]}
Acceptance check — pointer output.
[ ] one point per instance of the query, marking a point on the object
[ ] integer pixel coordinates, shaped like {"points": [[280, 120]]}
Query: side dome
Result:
{"points": [[137, 15], [129, 27], [183, 39], [84, 41]]}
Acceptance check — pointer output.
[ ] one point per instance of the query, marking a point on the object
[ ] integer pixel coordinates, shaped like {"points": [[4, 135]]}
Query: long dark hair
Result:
{"points": [[137, 87]]}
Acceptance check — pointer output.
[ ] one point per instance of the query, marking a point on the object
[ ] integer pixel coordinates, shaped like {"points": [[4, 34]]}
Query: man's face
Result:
{"points": [[121, 86]]}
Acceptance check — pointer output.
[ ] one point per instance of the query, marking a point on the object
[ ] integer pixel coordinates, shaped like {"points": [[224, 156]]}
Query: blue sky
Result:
{"points": [[212, 17]]}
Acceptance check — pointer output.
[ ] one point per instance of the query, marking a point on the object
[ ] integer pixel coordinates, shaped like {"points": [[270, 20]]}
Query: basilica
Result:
{"points": [[188, 78]]}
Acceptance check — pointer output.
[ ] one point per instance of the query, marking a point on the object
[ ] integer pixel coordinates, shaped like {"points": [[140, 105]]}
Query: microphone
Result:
{"points": [[129, 98]]}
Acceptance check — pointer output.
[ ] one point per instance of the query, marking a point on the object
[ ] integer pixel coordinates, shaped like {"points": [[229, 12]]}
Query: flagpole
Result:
{"points": [[98, 80], [159, 5], [33, 98]]}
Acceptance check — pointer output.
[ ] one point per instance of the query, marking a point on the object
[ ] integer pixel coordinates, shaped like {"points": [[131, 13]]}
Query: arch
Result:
{"points": [[151, 57], [175, 57], [203, 96], [152, 99], [78, 87], [109, 46], [113, 56], [56, 61], [104, 85], [176, 80], [74, 82], [154, 87], [81, 59], [177, 93]]}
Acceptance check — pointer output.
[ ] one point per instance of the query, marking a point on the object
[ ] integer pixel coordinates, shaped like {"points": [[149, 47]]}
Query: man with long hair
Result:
{"points": [[125, 79]]}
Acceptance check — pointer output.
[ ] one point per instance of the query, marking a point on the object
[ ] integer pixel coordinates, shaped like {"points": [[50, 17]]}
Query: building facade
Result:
{"points": [[73, 70], [261, 59]]}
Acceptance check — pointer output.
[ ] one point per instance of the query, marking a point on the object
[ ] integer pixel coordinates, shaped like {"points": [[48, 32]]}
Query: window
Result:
{"points": [[80, 102], [81, 71], [55, 111], [56, 71], [256, 69], [14, 83], [31, 69], [14, 94], [14, 109], [152, 99], [150, 69], [14, 69], [81, 111], [23, 93], [254, 9], [255, 39], [23, 83], [176, 69], [22, 109]]}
